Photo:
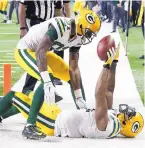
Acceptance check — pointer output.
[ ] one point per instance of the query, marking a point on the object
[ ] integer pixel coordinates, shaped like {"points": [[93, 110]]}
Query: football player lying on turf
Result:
{"points": [[96, 123]]}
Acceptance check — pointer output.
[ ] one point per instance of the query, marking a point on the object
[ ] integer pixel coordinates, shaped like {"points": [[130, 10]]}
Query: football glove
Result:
{"points": [[117, 53], [110, 57], [49, 93]]}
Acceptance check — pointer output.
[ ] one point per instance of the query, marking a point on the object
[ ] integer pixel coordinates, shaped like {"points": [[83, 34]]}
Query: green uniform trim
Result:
{"points": [[59, 26], [19, 51], [52, 33], [63, 25], [118, 128]]}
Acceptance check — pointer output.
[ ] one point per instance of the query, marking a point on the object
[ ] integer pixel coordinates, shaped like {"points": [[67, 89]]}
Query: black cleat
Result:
{"points": [[142, 57], [1, 119], [4, 21], [32, 132]]}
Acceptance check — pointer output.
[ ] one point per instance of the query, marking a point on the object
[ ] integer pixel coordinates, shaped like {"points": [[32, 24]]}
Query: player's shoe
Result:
{"points": [[4, 21], [32, 132], [1, 119]]}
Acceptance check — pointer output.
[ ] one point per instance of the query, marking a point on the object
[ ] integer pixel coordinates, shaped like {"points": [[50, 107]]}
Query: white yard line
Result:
{"points": [[6, 51], [11, 71], [10, 53], [8, 41], [8, 33], [6, 60], [8, 63], [9, 57]]}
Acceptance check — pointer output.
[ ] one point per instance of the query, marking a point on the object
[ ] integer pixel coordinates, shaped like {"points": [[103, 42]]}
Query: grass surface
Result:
{"points": [[9, 36], [135, 50]]}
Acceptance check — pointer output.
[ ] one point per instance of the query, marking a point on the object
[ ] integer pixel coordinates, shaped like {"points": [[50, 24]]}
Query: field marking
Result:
{"points": [[11, 53], [8, 56], [9, 63], [6, 60], [3, 51], [11, 71], [12, 67], [10, 41], [8, 33]]}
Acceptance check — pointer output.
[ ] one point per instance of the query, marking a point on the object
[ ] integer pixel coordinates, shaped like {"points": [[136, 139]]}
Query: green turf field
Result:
{"points": [[135, 50], [9, 36]]}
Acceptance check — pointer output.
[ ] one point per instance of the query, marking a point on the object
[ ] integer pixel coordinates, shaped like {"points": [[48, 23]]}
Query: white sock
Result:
{"points": [[5, 17]]}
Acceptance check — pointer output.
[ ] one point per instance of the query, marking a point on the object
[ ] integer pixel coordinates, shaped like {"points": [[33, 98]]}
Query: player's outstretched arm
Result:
{"points": [[111, 79], [111, 85], [101, 111]]}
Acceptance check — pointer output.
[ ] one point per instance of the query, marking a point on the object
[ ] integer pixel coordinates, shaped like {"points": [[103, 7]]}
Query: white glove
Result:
{"points": [[49, 93], [81, 103]]}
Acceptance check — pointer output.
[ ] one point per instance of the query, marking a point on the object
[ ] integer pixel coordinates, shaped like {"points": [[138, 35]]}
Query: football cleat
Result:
{"points": [[33, 132], [1, 119]]}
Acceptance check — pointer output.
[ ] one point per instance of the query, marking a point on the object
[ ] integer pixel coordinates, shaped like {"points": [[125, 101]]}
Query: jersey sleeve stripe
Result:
{"points": [[115, 129], [63, 25], [59, 26]]}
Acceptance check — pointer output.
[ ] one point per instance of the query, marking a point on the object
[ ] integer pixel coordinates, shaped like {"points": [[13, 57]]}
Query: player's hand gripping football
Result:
{"points": [[110, 57], [49, 93]]}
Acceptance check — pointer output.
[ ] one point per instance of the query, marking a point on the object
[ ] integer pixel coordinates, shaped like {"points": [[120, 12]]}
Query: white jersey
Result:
{"points": [[60, 35], [81, 123]]}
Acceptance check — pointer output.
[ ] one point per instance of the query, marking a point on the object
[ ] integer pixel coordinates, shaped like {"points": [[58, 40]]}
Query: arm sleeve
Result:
{"points": [[74, 49], [52, 33]]}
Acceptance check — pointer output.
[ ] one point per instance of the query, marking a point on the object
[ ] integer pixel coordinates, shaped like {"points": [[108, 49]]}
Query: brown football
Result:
{"points": [[104, 45]]}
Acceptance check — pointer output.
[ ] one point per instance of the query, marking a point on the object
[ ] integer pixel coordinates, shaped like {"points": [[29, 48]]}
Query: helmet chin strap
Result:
{"points": [[128, 111]]}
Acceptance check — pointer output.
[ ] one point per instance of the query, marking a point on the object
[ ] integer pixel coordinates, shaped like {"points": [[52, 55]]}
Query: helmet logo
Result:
{"points": [[135, 127], [90, 18]]}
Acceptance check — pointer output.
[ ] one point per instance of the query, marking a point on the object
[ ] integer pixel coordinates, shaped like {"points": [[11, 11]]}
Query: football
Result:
{"points": [[103, 46]]}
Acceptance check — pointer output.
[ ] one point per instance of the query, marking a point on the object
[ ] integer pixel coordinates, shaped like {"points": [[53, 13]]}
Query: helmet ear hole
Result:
{"points": [[81, 26], [123, 123]]}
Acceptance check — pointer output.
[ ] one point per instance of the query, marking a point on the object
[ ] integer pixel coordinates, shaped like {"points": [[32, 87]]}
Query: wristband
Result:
{"points": [[45, 76], [78, 93], [22, 28], [106, 66], [115, 61]]}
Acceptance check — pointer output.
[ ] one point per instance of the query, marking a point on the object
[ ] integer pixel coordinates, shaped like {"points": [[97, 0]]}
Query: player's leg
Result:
{"points": [[45, 118], [6, 102], [23, 103], [4, 9], [111, 85], [1, 6], [12, 111]]}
